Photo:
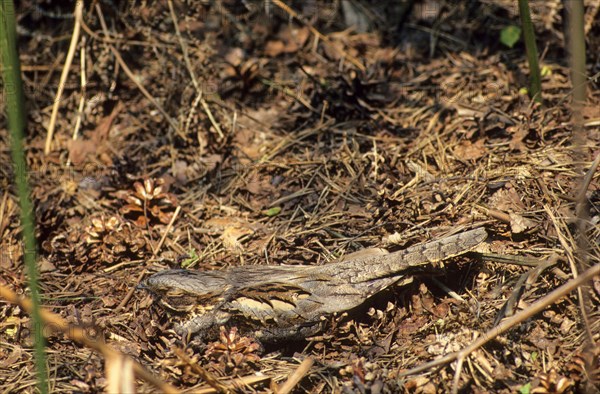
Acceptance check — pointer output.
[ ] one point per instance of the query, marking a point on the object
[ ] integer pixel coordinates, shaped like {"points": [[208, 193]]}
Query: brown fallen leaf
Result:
{"points": [[519, 224], [467, 150], [231, 237]]}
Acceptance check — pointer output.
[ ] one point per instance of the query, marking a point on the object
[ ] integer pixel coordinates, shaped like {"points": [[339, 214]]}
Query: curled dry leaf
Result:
{"points": [[231, 237], [519, 224]]}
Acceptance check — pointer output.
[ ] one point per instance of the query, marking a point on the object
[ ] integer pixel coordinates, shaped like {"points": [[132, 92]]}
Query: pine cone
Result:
{"points": [[232, 352], [103, 241], [149, 203], [110, 240]]}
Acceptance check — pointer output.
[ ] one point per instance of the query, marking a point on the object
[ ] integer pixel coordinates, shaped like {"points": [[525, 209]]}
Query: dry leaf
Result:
{"points": [[519, 224], [507, 199], [231, 237], [518, 135], [420, 171], [289, 40], [274, 48], [79, 150], [470, 151]]}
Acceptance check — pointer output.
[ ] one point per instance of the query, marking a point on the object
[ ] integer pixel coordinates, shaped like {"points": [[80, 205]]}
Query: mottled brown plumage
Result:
{"points": [[288, 302]]}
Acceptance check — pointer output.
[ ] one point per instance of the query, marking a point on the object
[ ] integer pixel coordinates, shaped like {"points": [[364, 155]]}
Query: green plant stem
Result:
{"points": [[16, 123], [535, 88], [577, 50]]}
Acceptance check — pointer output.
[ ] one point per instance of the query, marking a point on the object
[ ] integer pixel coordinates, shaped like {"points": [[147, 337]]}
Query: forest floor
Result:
{"points": [[256, 137]]}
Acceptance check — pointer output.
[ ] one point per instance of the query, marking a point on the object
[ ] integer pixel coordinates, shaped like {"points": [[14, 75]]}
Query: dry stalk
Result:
{"points": [[296, 376], [188, 64], [129, 73], [507, 324], [64, 74], [78, 334]]}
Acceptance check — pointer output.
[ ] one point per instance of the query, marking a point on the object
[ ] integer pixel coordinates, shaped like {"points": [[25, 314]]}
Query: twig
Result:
{"points": [[2, 208], [141, 87], [188, 64], [508, 259], [78, 334], [587, 179], [571, 254], [290, 93], [167, 231], [204, 374], [64, 75], [577, 62], [154, 252], [583, 242], [448, 290], [237, 382], [456, 380], [82, 98], [296, 377], [511, 321], [319, 35], [525, 281], [186, 58]]}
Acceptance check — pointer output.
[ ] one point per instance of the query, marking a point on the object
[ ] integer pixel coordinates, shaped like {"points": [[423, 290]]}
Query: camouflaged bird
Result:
{"points": [[274, 303]]}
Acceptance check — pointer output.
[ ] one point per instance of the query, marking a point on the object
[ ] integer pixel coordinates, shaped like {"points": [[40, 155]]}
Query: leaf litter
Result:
{"points": [[314, 157]]}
